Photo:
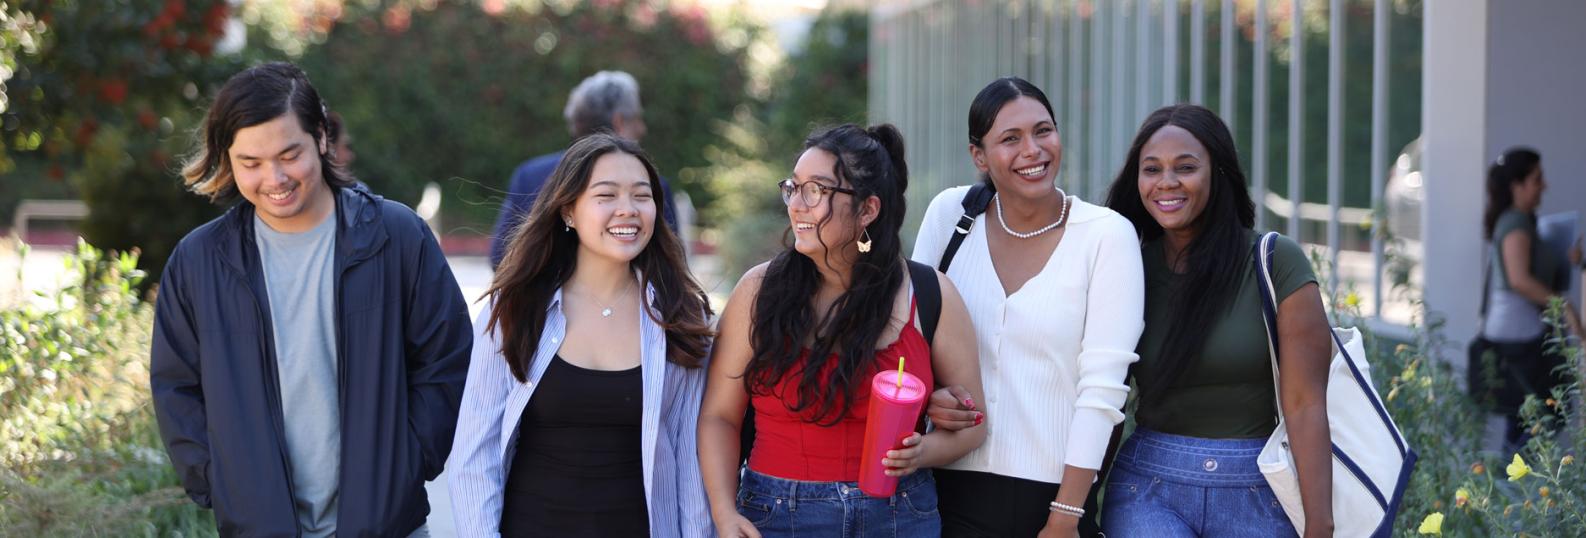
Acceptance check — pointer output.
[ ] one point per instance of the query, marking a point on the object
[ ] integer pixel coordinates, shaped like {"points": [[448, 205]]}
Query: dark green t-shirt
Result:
{"points": [[1227, 392]]}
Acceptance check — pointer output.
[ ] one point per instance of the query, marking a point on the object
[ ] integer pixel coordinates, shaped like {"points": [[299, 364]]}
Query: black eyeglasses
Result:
{"points": [[811, 192]]}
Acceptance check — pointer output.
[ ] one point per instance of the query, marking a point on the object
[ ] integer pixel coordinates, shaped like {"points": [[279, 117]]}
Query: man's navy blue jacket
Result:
{"points": [[403, 338]]}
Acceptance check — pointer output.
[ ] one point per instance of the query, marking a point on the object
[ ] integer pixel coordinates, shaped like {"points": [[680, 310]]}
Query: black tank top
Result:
{"points": [[577, 470]]}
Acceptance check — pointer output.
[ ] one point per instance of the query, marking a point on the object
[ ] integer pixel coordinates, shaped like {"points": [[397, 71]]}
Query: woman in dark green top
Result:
{"points": [[1205, 391], [1524, 277]]}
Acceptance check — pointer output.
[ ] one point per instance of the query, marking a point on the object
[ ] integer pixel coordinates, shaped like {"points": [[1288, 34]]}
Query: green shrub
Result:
{"points": [[79, 450], [1459, 488]]}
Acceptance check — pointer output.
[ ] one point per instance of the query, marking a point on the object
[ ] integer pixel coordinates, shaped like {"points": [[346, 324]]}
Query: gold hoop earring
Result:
{"points": [[864, 244]]}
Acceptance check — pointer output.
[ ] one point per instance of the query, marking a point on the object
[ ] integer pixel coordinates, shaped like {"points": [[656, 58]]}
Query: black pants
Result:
{"points": [[982, 505], [1502, 374]]}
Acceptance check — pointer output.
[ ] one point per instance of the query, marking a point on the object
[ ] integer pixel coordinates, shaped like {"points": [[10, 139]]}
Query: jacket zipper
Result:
{"points": [[273, 380]]}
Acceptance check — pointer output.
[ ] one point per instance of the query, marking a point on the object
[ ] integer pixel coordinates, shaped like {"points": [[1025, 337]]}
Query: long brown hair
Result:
{"points": [[542, 254]]}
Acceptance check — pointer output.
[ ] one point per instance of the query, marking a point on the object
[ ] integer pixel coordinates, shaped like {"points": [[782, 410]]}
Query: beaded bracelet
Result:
{"points": [[1067, 509]]}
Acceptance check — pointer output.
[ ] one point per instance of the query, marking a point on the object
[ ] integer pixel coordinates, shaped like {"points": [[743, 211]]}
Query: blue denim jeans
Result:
{"points": [[780, 507], [1176, 486]]}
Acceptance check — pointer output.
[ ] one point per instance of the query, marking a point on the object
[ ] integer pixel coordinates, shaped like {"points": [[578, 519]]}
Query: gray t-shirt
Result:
{"points": [[298, 273]]}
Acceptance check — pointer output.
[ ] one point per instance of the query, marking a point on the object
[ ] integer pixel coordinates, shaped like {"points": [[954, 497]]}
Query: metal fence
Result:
{"points": [[1107, 64]]}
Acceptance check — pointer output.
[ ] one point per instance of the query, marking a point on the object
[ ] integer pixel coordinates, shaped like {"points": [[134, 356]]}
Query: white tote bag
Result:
{"points": [[1371, 462]]}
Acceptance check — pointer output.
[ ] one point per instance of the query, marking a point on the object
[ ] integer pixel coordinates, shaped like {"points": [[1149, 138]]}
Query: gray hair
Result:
{"points": [[591, 104]]}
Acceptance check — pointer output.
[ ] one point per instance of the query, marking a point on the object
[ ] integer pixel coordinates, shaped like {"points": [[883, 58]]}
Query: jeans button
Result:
{"points": [[1210, 465]]}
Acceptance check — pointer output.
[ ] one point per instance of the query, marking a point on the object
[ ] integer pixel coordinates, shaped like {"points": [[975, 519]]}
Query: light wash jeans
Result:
{"points": [[1176, 486]]}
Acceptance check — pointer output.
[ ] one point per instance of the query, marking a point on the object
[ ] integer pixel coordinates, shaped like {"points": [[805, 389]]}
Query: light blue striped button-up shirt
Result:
{"points": [[493, 401]]}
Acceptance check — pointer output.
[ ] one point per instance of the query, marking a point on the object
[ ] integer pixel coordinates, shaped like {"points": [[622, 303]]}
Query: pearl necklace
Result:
{"points": [[1048, 228]]}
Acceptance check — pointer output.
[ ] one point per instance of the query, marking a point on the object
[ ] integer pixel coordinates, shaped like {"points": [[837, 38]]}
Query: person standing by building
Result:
{"points": [[1524, 275]]}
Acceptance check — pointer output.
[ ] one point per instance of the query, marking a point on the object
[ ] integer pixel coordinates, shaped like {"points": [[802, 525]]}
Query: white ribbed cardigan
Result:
{"points": [[1054, 357]]}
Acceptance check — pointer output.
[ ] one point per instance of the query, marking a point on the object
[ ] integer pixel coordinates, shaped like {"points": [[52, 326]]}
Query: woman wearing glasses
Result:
{"points": [[800, 339], [1055, 289]]}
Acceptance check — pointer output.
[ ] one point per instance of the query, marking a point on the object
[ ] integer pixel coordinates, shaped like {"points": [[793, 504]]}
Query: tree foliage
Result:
{"points": [[460, 92], [99, 97]]}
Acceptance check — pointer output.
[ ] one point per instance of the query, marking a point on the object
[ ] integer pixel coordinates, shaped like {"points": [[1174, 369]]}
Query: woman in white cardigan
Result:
{"points": [[1055, 289]]}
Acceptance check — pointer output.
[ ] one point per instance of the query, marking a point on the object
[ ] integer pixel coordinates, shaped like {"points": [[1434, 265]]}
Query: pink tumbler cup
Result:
{"points": [[892, 415]]}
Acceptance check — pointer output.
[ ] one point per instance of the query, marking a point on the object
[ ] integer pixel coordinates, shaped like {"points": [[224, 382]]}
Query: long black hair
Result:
{"points": [[1510, 168], [258, 95], [989, 102], [869, 161], [1216, 260], [542, 254]]}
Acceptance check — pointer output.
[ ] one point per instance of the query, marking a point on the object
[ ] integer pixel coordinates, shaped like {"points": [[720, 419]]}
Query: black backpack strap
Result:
{"points": [[975, 202], [927, 298]]}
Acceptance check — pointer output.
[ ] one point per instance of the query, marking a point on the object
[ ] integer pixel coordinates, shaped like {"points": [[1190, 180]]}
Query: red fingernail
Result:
{"points": [[969, 402], [979, 418]]}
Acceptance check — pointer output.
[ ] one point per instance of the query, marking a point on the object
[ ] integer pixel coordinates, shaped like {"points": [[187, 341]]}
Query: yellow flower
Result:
{"points": [[1393, 393], [1433, 524], [1517, 469], [1461, 496], [1478, 468], [1426, 382], [1400, 349], [1543, 491], [1352, 300], [1568, 459]]}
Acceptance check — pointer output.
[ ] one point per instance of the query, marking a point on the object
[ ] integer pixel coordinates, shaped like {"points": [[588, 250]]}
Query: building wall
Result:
{"points": [[1535, 79]]}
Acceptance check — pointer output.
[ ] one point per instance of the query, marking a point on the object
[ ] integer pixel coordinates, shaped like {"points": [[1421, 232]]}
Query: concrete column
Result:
{"points": [[1454, 131]]}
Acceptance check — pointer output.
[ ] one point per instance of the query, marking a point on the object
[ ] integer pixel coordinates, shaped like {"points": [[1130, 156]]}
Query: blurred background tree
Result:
{"points": [[460, 92], [98, 100], [101, 98], [825, 82]]}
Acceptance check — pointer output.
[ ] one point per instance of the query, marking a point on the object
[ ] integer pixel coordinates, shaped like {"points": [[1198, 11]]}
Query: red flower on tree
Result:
{"points": [[113, 91]]}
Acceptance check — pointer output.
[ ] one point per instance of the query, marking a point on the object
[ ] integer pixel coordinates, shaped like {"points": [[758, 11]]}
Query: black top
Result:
{"points": [[577, 470]]}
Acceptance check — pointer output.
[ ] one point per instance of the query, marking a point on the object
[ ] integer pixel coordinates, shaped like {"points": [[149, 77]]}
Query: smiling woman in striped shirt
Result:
{"points": [[584, 387], [1055, 289]]}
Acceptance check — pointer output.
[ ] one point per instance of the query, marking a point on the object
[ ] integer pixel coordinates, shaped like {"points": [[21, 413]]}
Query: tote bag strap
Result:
{"points": [[1262, 257]]}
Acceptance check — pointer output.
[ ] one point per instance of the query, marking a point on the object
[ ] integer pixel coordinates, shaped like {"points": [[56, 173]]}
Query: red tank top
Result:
{"points": [[788, 446]]}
